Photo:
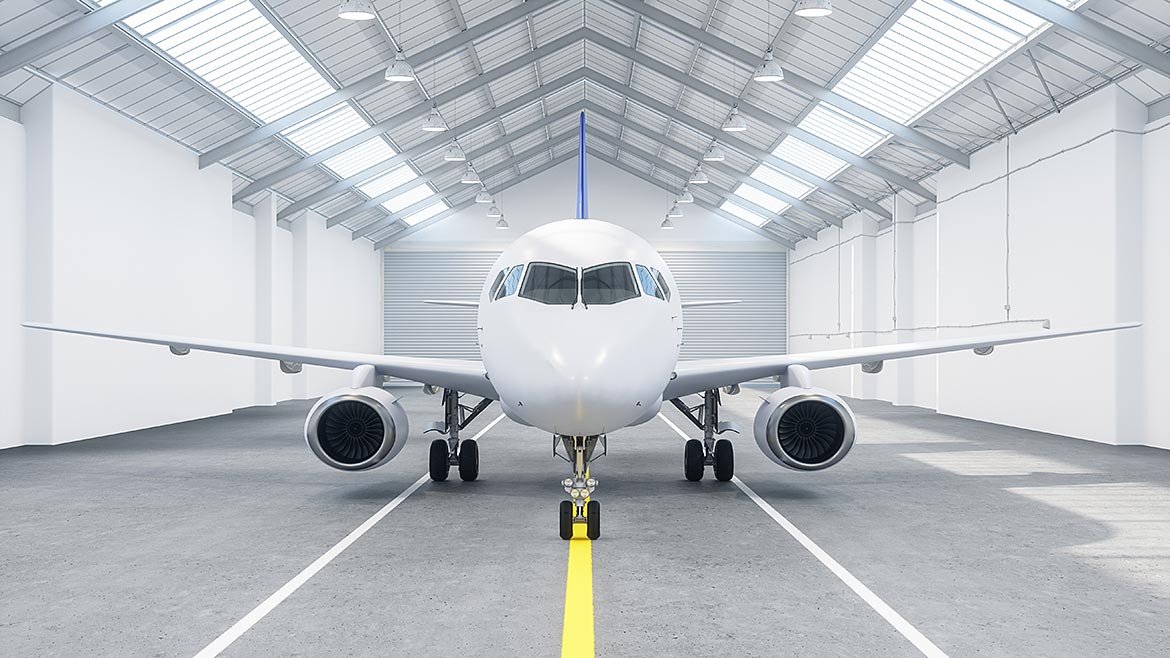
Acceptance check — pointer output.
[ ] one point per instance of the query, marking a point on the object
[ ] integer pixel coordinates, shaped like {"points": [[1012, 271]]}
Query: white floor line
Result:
{"points": [[879, 606], [240, 627]]}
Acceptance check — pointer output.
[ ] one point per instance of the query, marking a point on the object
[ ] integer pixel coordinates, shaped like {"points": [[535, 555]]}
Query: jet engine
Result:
{"points": [[356, 429], [805, 429]]}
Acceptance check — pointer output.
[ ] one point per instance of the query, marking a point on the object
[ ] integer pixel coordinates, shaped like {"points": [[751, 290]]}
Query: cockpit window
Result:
{"points": [[608, 284], [497, 282], [652, 282], [510, 281], [548, 283]]}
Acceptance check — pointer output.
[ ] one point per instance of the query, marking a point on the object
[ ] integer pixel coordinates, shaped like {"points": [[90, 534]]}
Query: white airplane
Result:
{"points": [[580, 325]]}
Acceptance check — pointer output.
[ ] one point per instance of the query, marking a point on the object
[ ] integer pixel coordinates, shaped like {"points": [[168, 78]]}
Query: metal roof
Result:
{"points": [[876, 97]]}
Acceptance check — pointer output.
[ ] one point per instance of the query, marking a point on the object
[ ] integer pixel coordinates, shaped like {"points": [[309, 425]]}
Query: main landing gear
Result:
{"points": [[579, 508], [450, 451], [716, 453]]}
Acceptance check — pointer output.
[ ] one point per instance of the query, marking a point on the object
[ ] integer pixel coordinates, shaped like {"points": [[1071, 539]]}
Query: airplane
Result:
{"points": [[580, 324]]}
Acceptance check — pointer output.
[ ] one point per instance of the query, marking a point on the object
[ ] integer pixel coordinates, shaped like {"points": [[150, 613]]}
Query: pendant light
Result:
{"points": [[454, 153], [734, 122], [494, 211], [434, 122], [666, 225], [769, 70], [685, 196], [470, 177], [399, 70], [501, 224], [698, 177], [483, 197], [674, 211], [813, 8], [356, 10], [714, 153]]}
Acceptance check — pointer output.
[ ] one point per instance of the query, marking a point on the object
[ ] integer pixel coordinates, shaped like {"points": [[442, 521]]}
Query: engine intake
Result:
{"points": [[805, 429], [357, 429]]}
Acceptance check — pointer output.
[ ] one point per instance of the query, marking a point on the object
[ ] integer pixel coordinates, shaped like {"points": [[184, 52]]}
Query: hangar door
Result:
{"points": [[758, 325]]}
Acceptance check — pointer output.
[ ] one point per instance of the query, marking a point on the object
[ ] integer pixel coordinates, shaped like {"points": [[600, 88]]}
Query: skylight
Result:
{"points": [[761, 198], [781, 181], [426, 213], [408, 198], [387, 181], [743, 213]]}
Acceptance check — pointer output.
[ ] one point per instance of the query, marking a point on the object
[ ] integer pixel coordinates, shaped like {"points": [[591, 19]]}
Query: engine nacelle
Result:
{"points": [[805, 429], [356, 429]]}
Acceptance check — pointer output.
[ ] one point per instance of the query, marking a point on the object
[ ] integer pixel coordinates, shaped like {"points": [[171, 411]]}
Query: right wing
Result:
{"points": [[451, 302], [711, 302], [706, 374], [463, 376]]}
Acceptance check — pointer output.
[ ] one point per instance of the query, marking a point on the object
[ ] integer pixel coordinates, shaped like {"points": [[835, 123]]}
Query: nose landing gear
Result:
{"points": [[580, 508]]}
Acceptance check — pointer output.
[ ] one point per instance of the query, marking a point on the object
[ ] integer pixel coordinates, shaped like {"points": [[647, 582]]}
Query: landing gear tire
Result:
{"points": [[440, 460], [724, 466], [468, 460], [593, 519], [693, 460], [567, 509]]}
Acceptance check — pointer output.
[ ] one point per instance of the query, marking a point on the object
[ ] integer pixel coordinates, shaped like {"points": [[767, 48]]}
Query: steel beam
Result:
{"points": [[95, 21], [1047, 90], [430, 221], [414, 153], [9, 110], [794, 80], [384, 126], [1093, 31], [771, 235], [373, 80]]}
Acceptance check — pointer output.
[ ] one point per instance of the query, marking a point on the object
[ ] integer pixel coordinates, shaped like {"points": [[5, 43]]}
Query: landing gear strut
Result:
{"points": [[579, 508], [449, 452], [716, 453]]}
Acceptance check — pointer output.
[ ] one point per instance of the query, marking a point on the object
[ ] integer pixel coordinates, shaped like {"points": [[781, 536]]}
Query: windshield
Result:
{"points": [[608, 284], [510, 283], [653, 283], [549, 283]]}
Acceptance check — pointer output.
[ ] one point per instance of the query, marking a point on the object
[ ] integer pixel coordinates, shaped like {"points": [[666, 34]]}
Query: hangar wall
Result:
{"points": [[1046, 225], [124, 231]]}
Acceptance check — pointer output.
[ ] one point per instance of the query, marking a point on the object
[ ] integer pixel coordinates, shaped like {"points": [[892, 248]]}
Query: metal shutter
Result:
{"points": [[754, 327]]}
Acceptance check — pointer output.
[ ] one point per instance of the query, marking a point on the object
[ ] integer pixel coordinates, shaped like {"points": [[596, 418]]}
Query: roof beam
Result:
{"points": [[1093, 31], [832, 149], [430, 221], [413, 154], [95, 21], [665, 140], [796, 81], [369, 82], [396, 122], [771, 235], [734, 142]]}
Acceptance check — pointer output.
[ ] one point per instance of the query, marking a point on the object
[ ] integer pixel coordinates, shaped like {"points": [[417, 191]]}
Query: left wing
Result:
{"points": [[706, 374], [463, 376], [710, 302], [451, 302]]}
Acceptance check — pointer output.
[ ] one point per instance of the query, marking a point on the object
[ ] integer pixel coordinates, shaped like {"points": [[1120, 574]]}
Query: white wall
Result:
{"points": [[614, 196], [124, 231], [1050, 222], [12, 213]]}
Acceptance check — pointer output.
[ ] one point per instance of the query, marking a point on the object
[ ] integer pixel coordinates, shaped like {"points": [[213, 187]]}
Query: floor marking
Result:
{"points": [[240, 627], [879, 606], [577, 628]]}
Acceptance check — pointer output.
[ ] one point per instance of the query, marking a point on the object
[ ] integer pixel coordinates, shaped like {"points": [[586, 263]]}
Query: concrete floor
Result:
{"points": [[991, 541]]}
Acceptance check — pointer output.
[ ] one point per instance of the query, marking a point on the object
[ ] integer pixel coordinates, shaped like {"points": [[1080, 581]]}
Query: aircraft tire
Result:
{"points": [[567, 509], [593, 519], [724, 460], [468, 460], [693, 460], [439, 461]]}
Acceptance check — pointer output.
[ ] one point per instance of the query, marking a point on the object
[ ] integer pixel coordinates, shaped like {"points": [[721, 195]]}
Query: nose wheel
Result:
{"points": [[580, 509]]}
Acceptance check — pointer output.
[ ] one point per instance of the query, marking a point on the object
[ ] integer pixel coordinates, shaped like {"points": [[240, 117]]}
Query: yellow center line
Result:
{"points": [[577, 632]]}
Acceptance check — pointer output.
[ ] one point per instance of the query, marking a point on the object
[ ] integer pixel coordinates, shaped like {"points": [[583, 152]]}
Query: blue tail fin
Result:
{"points": [[582, 194]]}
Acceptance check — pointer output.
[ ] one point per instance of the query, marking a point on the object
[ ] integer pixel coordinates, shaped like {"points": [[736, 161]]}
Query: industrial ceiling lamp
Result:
{"points": [[454, 153], [434, 122], [714, 153], [356, 10], [674, 211], [734, 123], [501, 224], [470, 177], [813, 8], [685, 196], [666, 225], [698, 177], [494, 211], [769, 70], [483, 196], [399, 70]]}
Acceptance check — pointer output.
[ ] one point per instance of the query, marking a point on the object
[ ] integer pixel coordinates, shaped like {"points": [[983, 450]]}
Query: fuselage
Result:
{"points": [[580, 326]]}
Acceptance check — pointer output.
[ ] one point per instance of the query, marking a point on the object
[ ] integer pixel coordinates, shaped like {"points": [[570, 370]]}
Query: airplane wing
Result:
{"points": [[463, 376], [706, 374], [711, 302], [451, 302]]}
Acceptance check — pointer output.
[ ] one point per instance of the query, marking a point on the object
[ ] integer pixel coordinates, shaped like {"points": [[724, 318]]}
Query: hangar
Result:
{"points": [[331, 327]]}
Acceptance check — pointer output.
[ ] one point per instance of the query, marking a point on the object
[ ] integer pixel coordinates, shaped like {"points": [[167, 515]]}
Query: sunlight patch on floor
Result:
{"points": [[995, 462]]}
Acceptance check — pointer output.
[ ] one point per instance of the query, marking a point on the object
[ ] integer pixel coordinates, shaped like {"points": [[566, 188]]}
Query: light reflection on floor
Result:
{"points": [[995, 462]]}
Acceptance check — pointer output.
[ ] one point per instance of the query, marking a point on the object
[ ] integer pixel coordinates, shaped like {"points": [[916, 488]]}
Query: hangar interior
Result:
{"points": [[855, 173]]}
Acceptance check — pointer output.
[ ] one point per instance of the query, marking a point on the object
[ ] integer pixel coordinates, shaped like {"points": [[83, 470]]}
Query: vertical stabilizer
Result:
{"points": [[582, 194]]}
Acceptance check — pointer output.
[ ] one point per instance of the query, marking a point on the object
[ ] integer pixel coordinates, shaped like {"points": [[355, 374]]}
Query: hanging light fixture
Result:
{"points": [[698, 177], [470, 177], [501, 224], [483, 196], [714, 153], [666, 225], [434, 122], [494, 211], [674, 211], [356, 10], [813, 8], [399, 70], [769, 70], [685, 196], [734, 123], [454, 153]]}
